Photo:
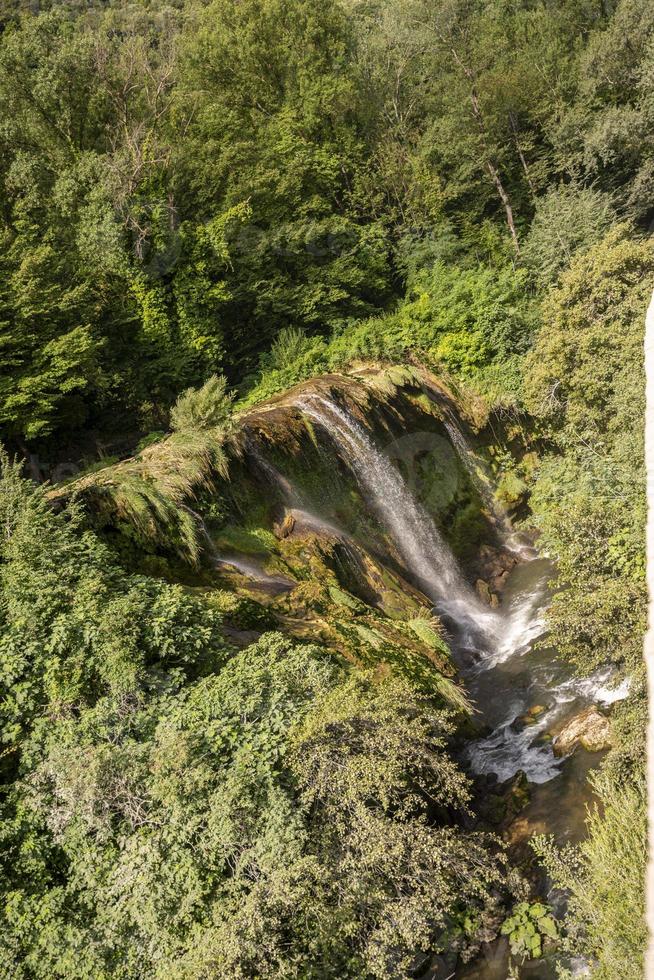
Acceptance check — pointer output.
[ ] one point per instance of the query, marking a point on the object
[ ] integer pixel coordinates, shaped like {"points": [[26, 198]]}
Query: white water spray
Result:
{"points": [[422, 547], [507, 750]]}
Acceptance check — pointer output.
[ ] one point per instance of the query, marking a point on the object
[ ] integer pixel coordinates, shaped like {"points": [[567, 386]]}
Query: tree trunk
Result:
{"points": [[489, 164], [491, 167], [504, 197]]}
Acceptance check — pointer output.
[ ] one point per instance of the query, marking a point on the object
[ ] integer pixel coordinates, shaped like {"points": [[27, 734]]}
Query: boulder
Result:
{"points": [[493, 567], [483, 590], [517, 794], [530, 717], [499, 581], [589, 728], [485, 594]]}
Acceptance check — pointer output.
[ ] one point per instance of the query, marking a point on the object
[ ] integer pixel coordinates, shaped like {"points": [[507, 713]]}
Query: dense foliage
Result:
{"points": [[231, 197], [183, 181], [176, 808]]}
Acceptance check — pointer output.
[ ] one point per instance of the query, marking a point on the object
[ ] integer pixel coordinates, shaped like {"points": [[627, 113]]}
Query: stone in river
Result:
{"points": [[485, 594], [589, 728], [530, 717]]}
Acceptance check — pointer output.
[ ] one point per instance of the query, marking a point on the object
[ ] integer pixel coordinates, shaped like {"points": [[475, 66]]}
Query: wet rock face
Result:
{"points": [[590, 729], [284, 527], [484, 592], [493, 566]]}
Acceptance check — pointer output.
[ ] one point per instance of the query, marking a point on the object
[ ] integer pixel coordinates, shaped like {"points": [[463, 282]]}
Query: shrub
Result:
{"points": [[207, 407]]}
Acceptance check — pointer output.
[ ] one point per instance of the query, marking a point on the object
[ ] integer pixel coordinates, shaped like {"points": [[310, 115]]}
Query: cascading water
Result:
{"points": [[415, 535], [530, 680], [484, 486], [249, 568], [288, 491], [501, 680], [294, 501]]}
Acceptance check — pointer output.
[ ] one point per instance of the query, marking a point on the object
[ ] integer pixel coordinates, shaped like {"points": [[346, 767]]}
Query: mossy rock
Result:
{"points": [[370, 636], [242, 612], [467, 527], [247, 540], [342, 598], [518, 794], [493, 808]]}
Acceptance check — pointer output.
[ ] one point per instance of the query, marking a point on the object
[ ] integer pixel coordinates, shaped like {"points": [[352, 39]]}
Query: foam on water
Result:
{"points": [[594, 688], [519, 624], [508, 750]]}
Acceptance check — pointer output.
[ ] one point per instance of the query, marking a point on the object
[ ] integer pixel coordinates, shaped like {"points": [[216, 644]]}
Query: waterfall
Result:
{"points": [[249, 569], [293, 499], [480, 480], [253, 571], [422, 547], [484, 487], [289, 494]]}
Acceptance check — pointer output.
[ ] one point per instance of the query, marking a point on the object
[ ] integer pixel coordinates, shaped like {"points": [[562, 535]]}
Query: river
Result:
{"points": [[520, 689], [521, 696]]}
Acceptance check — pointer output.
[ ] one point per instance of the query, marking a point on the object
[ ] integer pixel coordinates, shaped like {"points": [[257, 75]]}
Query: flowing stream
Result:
{"points": [[520, 690]]}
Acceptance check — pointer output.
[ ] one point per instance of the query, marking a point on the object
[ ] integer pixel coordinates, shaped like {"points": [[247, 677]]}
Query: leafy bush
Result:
{"points": [[202, 408], [289, 345], [468, 317], [584, 382], [526, 927], [568, 221], [75, 627], [268, 819], [605, 878]]}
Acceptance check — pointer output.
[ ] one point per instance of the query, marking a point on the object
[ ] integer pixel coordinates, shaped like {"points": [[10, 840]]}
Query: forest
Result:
{"points": [[245, 244]]}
